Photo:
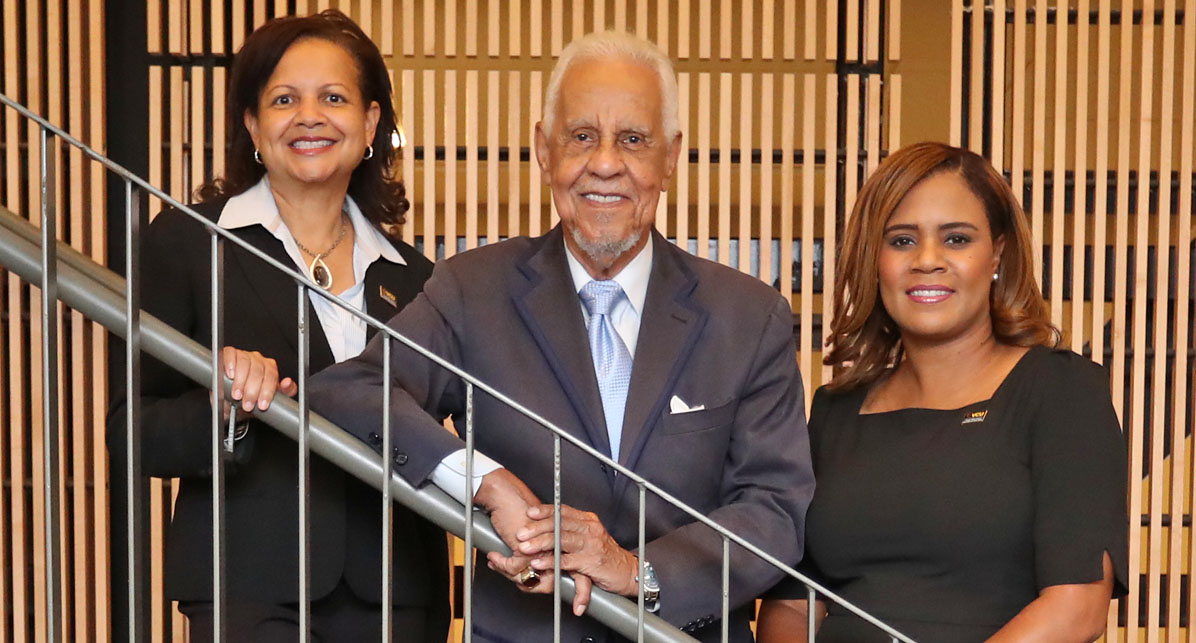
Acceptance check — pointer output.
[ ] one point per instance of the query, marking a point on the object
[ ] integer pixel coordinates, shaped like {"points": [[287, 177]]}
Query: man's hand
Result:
{"points": [[507, 500], [587, 551]]}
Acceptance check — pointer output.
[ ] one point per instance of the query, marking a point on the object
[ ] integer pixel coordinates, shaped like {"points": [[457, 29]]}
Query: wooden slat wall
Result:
{"points": [[1124, 110], [1095, 100], [53, 63]]}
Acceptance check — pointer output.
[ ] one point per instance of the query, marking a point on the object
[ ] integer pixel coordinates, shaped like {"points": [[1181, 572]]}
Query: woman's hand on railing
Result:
{"points": [[786, 621], [255, 380]]}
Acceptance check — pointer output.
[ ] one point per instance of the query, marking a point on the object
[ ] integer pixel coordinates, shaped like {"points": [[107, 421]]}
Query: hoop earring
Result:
{"points": [[257, 156], [369, 153]]}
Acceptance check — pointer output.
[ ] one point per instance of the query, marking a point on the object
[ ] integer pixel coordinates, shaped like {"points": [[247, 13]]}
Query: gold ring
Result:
{"points": [[529, 578]]}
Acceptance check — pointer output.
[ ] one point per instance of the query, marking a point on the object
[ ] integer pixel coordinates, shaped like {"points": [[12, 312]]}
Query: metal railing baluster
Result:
{"points": [[133, 486], [49, 299], [642, 537], [387, 527], [219, 625], [467, 575], [556, 538], [811, 614], [304, 468], [726, 589]]}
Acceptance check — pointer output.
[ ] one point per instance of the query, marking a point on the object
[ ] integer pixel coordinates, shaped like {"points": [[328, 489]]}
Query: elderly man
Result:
{"points": [[683, 370]]}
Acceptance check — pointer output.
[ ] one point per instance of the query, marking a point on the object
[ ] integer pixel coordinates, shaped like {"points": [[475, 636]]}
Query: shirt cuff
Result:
{"points": [[449, 475]]}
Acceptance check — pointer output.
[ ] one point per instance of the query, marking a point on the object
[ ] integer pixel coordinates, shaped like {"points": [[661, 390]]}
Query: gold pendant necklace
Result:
{"points": [[318, 270]]}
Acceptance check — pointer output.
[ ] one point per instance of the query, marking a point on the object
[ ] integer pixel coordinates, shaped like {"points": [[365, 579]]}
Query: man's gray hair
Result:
{"points": [[620, 46]]}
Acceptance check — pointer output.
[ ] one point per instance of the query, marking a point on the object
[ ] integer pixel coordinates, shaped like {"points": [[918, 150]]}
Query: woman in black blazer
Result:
{"points": [[309, 183]]}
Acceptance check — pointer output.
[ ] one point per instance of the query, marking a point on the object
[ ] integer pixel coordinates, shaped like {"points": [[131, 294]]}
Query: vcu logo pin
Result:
{"points": [[975, 416]]}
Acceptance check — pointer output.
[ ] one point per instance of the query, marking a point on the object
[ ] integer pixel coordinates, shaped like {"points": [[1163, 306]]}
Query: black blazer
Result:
{"points": [[262, 503]]}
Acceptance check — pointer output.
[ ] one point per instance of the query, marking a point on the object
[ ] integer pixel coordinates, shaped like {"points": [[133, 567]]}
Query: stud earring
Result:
{"points": [[995, 275]]}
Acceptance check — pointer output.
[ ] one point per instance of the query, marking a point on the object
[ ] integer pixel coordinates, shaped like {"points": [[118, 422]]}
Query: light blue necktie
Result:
{"points": [[612, 361]]}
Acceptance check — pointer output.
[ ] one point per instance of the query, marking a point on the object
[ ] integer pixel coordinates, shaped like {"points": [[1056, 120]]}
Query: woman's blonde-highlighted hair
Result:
{"points": [[864, 341]]}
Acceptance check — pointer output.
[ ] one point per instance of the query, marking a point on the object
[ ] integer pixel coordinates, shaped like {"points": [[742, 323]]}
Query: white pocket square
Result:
{"points": [[678, 406]]}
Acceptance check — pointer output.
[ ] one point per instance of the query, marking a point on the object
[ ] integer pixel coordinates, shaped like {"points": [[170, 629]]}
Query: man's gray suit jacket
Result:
{"points": [[509, 314]]}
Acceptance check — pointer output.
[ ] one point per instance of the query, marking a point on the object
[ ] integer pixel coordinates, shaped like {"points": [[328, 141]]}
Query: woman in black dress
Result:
{"points": [[310, 183], [971, 476]]}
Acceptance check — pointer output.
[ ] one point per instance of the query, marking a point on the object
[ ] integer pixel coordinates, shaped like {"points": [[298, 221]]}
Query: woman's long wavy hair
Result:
{"points": [[378, 193], [864, 341]]}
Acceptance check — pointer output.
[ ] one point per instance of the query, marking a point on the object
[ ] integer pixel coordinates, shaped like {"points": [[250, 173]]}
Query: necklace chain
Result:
{"points": [[339, 237]]}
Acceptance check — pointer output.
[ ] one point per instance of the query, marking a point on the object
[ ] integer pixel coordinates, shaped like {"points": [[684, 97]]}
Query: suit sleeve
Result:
{"points": [[422, 392], [767, 484], [176, 413]]}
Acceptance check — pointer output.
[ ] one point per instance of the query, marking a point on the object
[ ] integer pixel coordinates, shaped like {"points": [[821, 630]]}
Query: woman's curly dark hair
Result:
{"points": [[378, 193]]}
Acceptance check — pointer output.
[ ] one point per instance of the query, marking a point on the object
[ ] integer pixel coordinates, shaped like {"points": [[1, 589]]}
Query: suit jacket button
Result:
{"points": [[375, 439], [588, 639]]}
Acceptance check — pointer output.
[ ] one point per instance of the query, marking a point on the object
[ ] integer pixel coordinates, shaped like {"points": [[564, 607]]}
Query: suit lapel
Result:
{"points": [[550, 309], [669, 329], [382, 292], [276, 292]]}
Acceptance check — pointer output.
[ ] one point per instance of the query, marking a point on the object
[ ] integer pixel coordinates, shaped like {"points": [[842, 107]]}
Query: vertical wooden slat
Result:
{"points": [[514, 116], [579, 22], [535, 27], [1162, 361], [851, 164], [428, 141], [259, 13], [514, 29], [406, 116], [681, 219], [1017, 155], [219, 91], [1038, 154], [429, 10], [471, 160], [450, 28], [831, 18], [768, 29], [807, 346], [705, 33], [621, 15], [558, 25], [724, 168], [195, 43], [1100, 203], [746, 26], [872, 51], [787, 177], [894, 120], [852, 30], [535, 190], [975, 139], [1118, 337], [470, 19], [599, 16], [493, 22], [872, 125], [894, 42], [1058, 169], [641, 19], [956, 98], [1080, 164], [1141, 283], [450, 214], [388, 27], [1183, 284], [663, 12], [997, 103], [408, 25], [704, 99], [789, 28], [683, 26], [746, 117], [174, 26], [767, 145], [493, 93], [35, 96], [724, 27], [153, 25], [237, 10], [198, 123], [830, 212]]}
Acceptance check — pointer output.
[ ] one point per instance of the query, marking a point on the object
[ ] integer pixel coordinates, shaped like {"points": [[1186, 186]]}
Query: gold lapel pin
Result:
{"points": [[388, 296]]}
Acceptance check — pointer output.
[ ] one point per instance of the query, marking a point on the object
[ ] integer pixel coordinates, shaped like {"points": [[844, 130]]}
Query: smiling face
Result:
{"points": [[607, 159], [312, 124], [937, 260]]}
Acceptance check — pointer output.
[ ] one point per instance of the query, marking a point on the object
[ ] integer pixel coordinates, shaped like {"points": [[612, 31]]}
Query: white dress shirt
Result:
{"points": [[345, 331], [633, 279]]}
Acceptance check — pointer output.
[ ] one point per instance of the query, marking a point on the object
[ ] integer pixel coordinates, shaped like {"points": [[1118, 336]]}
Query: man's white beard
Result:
{"points": [[604, 252]]}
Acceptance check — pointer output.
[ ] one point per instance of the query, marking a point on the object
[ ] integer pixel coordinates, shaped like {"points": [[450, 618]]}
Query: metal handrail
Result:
{"points": [[101, 295]]}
